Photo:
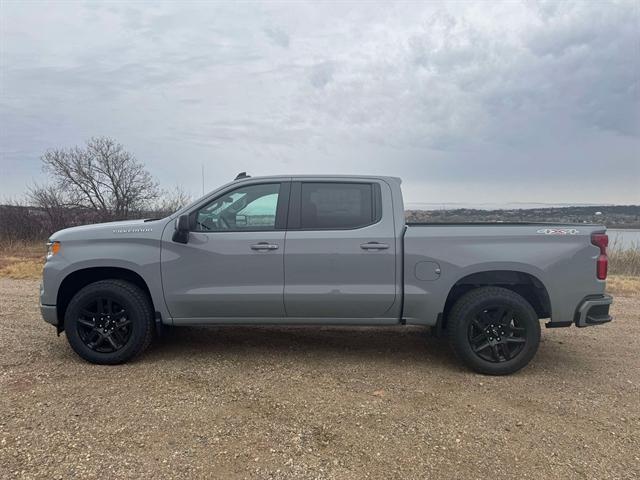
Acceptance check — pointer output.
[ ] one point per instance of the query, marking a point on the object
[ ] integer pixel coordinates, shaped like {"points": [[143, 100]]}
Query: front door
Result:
{"points": [[340, 258], [232, 265]]}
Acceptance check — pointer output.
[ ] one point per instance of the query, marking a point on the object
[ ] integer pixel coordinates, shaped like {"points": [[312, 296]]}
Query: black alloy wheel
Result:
{"points": [[496, 334], [103, 325]]}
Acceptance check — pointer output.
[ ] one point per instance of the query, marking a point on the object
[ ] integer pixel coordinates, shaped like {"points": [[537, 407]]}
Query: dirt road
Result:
{"points": [[315, 403]]}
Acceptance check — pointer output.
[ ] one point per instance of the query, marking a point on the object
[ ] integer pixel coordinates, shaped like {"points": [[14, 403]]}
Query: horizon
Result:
{"points": [[529, 205], [447, 206]]}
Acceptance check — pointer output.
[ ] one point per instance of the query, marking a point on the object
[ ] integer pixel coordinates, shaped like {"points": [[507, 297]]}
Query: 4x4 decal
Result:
{"points": [[558, 231]]}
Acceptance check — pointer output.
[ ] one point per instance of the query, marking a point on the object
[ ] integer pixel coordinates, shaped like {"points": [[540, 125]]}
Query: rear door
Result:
{"points": [[232, 265], [340, 256]]}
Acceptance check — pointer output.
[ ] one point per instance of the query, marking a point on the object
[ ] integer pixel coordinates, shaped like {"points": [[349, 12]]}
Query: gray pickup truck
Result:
{"points": [[323, 250]]}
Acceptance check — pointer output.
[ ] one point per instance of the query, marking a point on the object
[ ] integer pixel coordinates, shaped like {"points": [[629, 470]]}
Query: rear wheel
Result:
{"points": [[494, 330], [109, 322]]}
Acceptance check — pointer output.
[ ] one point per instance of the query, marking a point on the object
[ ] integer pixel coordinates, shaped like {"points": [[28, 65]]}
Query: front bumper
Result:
{"points": [[593, 310], [49, 314]]}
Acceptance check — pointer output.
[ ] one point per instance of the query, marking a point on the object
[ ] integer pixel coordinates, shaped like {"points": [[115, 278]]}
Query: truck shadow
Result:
{"points": [[353, 343], [409, 345]]}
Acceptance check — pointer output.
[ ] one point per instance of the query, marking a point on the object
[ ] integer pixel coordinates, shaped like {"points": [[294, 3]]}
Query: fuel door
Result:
{"points": [[427, 271]]}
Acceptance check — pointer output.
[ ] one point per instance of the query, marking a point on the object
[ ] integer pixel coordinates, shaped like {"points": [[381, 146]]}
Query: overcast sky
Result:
{"points": [[467, 102]]}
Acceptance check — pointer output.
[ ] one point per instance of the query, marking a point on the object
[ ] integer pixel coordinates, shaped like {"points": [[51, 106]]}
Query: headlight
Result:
{"points": [[52, 249]]}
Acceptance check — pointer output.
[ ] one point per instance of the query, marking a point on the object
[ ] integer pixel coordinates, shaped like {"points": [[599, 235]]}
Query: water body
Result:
{"points": [[493, 206], [625, 238]]}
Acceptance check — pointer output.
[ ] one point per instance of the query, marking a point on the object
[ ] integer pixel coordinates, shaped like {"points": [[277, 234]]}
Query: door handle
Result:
{"points": [[264, 246], [374, 246]]}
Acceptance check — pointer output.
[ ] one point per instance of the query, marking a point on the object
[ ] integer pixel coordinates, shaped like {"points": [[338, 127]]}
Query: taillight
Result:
{"points": [[601, 240]]}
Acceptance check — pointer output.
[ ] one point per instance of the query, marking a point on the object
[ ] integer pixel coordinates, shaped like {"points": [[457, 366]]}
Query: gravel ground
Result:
{"points": [[315, 403]]}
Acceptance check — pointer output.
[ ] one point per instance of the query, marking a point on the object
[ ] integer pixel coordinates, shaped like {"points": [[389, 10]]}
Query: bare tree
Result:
{"points": [[170, 201], [20, 223], [101, 176], [54, 203]]}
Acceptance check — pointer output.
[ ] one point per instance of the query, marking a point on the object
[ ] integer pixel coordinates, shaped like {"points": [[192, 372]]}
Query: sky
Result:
{"points": [[467, 102]]}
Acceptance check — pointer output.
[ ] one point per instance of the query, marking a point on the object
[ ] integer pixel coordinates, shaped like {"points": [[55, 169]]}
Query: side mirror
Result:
{"points": [[181, 235]]}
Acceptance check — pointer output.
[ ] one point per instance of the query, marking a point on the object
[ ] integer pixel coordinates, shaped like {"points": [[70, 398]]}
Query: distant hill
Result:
{"points": [[613, 216]]}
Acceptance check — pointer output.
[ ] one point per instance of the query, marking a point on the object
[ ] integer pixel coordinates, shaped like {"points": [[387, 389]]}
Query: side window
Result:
{"points": [[252, 207], [345, 205]]}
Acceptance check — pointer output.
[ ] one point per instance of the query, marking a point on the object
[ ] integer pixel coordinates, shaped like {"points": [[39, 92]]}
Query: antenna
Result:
{"points": [[241, 175], [202, 165]]}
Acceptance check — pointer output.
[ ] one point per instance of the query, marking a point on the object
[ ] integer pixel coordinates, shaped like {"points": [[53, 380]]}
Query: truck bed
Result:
{"points": [[437, 256]]}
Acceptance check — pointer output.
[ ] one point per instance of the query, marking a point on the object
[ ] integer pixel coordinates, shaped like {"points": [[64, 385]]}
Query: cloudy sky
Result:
{"points": [[467, 102]]}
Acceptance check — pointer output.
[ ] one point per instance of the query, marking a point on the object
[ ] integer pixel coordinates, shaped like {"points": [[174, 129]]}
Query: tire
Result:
{"points": [[109, 322], [493, 330]]}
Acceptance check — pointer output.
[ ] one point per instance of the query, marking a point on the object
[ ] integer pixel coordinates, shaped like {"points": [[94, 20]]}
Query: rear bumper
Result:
{"points": [[593, 310], [49, 314]]}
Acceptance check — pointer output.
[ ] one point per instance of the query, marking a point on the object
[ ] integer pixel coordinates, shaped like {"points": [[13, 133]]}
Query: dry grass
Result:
{"points": [[623, 285], [24, 250], [19, 260], [22, 269], [624, 261]]}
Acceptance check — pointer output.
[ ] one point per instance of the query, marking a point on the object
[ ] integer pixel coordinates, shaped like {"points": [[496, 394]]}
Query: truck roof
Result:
{"points": [[321, 177]]}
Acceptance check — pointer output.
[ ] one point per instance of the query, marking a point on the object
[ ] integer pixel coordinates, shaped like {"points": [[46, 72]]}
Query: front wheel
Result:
{"points": [[494, 330], [109, 322]]}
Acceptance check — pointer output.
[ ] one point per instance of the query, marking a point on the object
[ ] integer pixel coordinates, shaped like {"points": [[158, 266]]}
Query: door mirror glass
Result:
{"points": [[181, 235], [182, 223]]}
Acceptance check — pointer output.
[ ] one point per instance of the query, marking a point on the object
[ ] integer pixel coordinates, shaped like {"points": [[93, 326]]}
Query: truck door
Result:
{"points": [[232, 264], [340, 255]]}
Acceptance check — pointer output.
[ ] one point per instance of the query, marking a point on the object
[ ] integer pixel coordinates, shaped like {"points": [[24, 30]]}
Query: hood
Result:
{"points": [[127, 228]]}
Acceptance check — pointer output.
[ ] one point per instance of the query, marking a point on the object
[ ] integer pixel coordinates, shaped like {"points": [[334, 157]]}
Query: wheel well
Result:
{"points": [[81, 278], [523, 284]]}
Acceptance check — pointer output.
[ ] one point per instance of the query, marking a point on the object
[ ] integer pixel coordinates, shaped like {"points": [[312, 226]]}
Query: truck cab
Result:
{"points": [[327, 236]]}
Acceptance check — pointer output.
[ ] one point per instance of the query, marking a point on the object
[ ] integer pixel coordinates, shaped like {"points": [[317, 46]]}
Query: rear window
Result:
{"points": [[338, 205]]}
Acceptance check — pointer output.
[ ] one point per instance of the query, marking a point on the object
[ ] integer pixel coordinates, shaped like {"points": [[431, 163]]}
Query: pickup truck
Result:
{"points": [[323, 250]]}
